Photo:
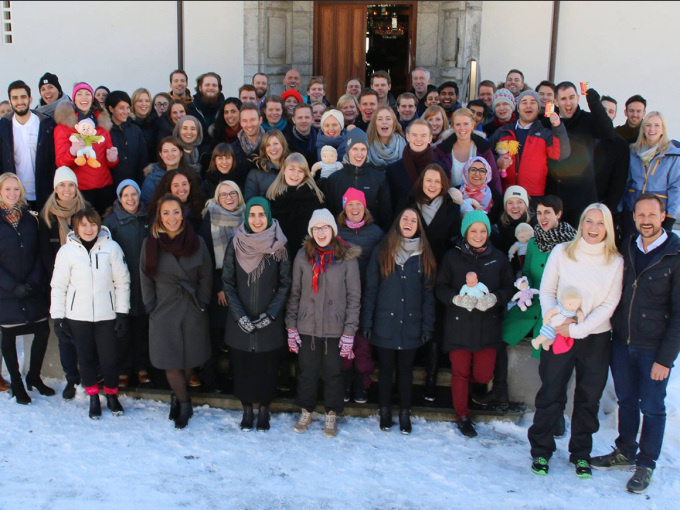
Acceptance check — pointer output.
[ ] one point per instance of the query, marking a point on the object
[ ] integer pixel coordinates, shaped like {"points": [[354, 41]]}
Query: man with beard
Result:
{"points": [[27, 146], [179, 82], [206, 106], [261, 84], [247, 146], [636, 108]]}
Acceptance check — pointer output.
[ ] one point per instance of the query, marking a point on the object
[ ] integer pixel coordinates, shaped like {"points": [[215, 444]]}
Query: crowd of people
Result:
{"points": [[298, 234]]}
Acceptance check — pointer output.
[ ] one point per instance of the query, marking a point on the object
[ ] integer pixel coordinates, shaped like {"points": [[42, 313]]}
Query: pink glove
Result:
{"points": [[294, 341], [346, 344]]}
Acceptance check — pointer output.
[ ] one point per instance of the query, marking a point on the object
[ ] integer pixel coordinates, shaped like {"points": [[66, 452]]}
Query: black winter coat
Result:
{"points": [[243, 164], [293, 210], [400, 185], [133, 154], [475, 330], [20, 264], [398, 309], [212, 179], [206, 115], [366, 238], [163, 128], [648, 315], [149, 126], [305, 147], [444, 227], [49, 245], [267, 295]]}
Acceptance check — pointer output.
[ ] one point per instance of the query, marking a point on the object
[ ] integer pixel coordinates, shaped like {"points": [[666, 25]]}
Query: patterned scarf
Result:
{"points": [[13, 215], [223, 225], [251, 249], [546, 240], [646, 156], [320, 260], [248, 147], [380, 154]]}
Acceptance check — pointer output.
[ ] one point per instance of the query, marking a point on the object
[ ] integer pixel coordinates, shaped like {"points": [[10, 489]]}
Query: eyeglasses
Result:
{"points": [[474, 170], [231, 194], [322, 229], [161, 104]]}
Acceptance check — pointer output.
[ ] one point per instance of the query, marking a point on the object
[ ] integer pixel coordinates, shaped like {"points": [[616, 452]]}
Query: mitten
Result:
{"points": [[245, 324], [61, 328], [467, 302], [121, 326], [294, 341], [346, 344], [486, 302], [262, 321]]}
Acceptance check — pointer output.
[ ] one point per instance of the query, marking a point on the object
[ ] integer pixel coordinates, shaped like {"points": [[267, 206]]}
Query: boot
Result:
{"points": [[174, 407], [33, 379], [360, 395], [432, 368], [248, 418], [385, 418], [113, 404], [18, 391], [263, 419], [185, 412], [465, 426], [405, 421], [95, 407], [69, 392]]}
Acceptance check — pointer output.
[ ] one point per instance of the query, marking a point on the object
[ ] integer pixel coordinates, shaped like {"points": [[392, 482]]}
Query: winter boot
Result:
{"points": [[330, 425], [360, 396], [19, 392], [174, 407], [465, 426], [405, 421], [95, 407], [33, 379], [263, 419], [185, 412], [113, 404], [248, 418], [69, 392], [385, 418]]}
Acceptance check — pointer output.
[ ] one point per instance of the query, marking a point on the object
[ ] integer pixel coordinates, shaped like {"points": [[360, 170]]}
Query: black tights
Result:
{"points": [[178, 379]]}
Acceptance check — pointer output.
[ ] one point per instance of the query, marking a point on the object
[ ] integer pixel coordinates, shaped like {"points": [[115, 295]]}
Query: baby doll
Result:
{"points": [[569, 306], [473, 288], [506, 147], [523, 233], [87, 132], [329, 162], [525, 295]]}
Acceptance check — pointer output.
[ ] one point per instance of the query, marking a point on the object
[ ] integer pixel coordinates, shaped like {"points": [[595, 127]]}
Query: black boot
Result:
{"points": [[405, 421], [185, 412], [113, 404], [263, 419], [432, 368], [385, 418], [95, 407], [69, 392], [19, 392], [465, 426], [248, 418], [174, 407], [34, 380]]}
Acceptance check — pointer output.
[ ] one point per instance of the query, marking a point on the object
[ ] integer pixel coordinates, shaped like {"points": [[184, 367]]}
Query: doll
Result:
{"points": [[473, 288], [506, 147], [525, 295], [87, 132], [523, 233], [329, 163], [569, 306]]}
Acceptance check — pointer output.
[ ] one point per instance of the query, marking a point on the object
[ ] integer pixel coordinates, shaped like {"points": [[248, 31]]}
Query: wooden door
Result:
{"points": [[339, 44]]}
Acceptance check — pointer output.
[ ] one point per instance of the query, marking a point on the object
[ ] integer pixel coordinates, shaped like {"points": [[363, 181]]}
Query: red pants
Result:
{"points": [[479, 364]]}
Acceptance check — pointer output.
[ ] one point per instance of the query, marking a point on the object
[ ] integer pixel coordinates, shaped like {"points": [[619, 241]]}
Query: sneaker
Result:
{"points": [[539, 466], [348, 394], [194, 381], [303, 422], [122, 381], [613, 460], [360, 396], [583, 469], [465, 426], [330, 425], [640, 480]]}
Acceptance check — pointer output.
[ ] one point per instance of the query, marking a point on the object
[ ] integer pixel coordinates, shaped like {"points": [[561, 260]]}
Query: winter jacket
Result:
{"points": [[267, 294], [648, 315], [90, 287], [20, 264], [398, 309], [475, 330], [206, 115], [400, 184], [88, 178], [306, 147], [133, 154], [366, 238], [164, 128], [50, 243], [129, 231], [661, 178], [153, 175], [333, 311], [293, 210], [444, 227], [243, 164], [365, 178], [530, 168], [257, 183], [211, 180], [178, 324], [149, 126], [44, 157], [443, 155]]}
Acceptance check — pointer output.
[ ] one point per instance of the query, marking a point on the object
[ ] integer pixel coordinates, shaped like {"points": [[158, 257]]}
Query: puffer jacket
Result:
{"points": [[153, 175], [90, 287]]}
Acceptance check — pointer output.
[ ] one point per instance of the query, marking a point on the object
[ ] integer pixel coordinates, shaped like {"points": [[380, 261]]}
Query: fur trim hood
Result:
{"points": [[65, 114], [352, 252]]}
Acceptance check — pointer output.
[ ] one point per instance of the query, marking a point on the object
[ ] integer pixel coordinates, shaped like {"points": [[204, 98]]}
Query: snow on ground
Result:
{"points": [[53, 456]]}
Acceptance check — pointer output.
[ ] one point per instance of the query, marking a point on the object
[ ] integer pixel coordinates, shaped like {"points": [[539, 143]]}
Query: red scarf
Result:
{"points": [[497, 123], [184, 244], [232, 134], [320, 260]]}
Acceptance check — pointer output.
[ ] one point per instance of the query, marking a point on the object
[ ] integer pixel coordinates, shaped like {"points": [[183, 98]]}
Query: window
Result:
{"points": [[7, 34]]}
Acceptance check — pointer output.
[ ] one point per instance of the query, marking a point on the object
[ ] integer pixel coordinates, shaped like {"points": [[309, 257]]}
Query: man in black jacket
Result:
{"points": [[646, 342], [207, 106]]}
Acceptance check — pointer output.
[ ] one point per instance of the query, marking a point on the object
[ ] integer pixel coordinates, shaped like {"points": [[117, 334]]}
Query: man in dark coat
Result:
{"points": [[636, 108], [207, 106], [247, 146]]}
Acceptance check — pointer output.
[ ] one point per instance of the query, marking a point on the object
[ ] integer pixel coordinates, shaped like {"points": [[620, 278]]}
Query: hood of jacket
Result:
{"points": [[66, 115], [352, 252], [124, 216]]}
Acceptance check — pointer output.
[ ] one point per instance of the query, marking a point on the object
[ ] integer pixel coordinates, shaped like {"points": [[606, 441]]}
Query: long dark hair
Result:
{"points": [[417, 192], [220, 126], [196, 197], [167, 113], [391, 243]]}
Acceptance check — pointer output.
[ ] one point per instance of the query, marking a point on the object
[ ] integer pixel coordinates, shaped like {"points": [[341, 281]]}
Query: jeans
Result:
{"points": [[637, 392]]}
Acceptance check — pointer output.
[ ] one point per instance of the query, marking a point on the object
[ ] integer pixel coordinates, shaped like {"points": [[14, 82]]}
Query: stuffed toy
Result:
{"points": [[569, 306], [507, 147], [329, 163], [523, 233], [87, 132], [473, 288], [525, 295]]}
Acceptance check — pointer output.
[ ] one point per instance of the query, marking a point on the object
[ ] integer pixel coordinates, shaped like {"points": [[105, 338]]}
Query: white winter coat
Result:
{"points": [[93, 286]]}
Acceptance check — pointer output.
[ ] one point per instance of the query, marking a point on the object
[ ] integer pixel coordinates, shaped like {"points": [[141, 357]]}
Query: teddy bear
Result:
{"points": [[569, 306], [525, 295], [504, 147], [87, 132], [329, 162]]}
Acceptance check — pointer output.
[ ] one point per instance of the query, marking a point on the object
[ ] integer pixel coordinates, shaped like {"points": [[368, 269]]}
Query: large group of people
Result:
{"points": [[160, 230]]}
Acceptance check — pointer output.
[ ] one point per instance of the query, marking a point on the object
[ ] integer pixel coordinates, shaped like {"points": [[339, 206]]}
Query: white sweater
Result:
{"points": [[599, 283]]}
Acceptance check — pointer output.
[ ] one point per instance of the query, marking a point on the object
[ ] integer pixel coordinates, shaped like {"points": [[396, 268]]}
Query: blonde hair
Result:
{"points": [[215, 198], [465, 112], [22, 191], [609, 240], [433, 110], [642, 143], [372, 131], [135, 96], [347, 98], [262, 158], [279, 186], [52, 202]]}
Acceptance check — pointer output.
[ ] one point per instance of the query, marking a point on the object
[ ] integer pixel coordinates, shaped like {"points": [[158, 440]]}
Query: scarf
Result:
{"points": [[320, 260], [648, 155], [414, 162], [338, 142], [407, 249], [223, 223], [546, 240], [251, 249], [380, 154], [280, 125], [63, 210], [184, 244], [12, 215], [231, 135], [477, 252], [430, 210], [497, 123], [481, 194], [353, 225], [248, 147]]}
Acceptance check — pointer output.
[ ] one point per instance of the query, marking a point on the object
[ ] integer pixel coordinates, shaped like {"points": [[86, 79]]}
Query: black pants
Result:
{"points": [[41, 332], [96, 343], [320, 355], [133, 348], [500, 372], [255, 375], [590, 358], [388, 360], [68, 356]]}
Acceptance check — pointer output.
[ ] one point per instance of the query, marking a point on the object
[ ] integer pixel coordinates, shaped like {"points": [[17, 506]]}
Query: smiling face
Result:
{"points": [[418, 137], [10, 192], [322, 234], [290, 103], [230, 113], [188, 132], [436, 123], [478, 111], [545, 94], [593, 229], [143, 105], [331, 127], [357, 154], [209, 88], [486, 94], [171, 217], [66, 190], [178, 84], [250, 123], [83, 100], [248, 96], [261, 83], [170, 155], [432, 184], [224, 163], [160, 104], [408, 224], [180, 187], [463, 127], [316, 92], [317, 112], [355, 210], [384, 124], [129, 199], [635, 112], [432, 98], [567, 101], [368, 105], [87, 230], [353, 87], [546, 217], [649, 219], [20, 101], [302, 118], [515, 208], [120, 113], [49, 93], [653, 130], [274, 150], [177, 111], [257, 219], [293, 174], [503, 111], [407, 108], [477, 174], [349, 112], [273, 112], [448, 97], [528, 110], [292, 80], [381, 86], [100, 95], [227, 197], [514, 83], [420, 82], [477, 235]]}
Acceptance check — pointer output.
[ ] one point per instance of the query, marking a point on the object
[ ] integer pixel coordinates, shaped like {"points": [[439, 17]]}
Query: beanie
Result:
{"points": [[292, 93], [504, 96], [475, 217], [81, 86], [353, 194], [355, 136], [49, 78], [531, 93], [322, 217], [124, 184], [516, 192], [335, 113], [64, 174]]}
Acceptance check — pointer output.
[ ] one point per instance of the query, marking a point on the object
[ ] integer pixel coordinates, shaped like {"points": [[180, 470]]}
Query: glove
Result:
{"points": [[367, 334], [486, 302], [467, 302], [121, 326], [346, 344], [294, 341], [22, 290], [426, 337], [61, 328], [245, 324], [262, 321]]}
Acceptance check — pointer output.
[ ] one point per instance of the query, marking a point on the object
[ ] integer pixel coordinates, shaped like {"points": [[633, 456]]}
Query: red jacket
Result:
{"points": [[541, 144], [88, 177]]}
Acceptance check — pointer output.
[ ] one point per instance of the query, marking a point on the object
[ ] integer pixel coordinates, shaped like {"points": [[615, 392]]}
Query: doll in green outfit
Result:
{"points": [[87, 132]]}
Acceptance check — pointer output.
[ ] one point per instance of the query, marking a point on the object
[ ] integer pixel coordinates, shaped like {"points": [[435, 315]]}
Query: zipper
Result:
{"points": [[73, 299]]}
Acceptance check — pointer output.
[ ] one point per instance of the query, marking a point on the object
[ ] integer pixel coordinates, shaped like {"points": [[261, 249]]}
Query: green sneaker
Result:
{"points": [[613, 460], [583, 468], [640, 480], [539, 466]]}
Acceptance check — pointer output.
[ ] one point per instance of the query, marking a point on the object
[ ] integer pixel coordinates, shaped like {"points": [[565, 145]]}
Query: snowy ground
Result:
{"points": [[53, 456]]}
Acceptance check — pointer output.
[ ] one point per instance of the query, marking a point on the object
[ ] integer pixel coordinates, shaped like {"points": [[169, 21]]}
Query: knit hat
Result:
{"points": [[516, 192], [353, 194], [322, 217], [475, 217], [335, 113], [262, 202], [80, 86], [64, 174], [354, 137], [531, 93], [124, 184], [49, 78], [504, 96], [292, 93]]}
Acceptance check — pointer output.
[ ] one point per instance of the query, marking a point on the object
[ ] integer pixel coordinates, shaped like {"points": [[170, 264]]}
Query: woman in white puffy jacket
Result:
{"points": [[90, 303]]}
